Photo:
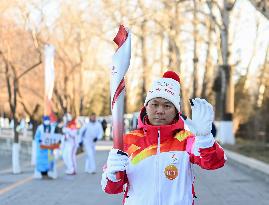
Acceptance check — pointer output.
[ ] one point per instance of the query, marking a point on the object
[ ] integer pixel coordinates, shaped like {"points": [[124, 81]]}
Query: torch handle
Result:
{"points": [[191, 102], [120, 175]]}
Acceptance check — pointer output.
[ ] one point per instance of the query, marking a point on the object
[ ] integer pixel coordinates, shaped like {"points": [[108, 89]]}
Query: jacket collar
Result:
{"points": [[151, 131]]}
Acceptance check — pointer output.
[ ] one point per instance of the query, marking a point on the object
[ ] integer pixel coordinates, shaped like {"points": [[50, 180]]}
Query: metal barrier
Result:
{"points": [[6, 142]]}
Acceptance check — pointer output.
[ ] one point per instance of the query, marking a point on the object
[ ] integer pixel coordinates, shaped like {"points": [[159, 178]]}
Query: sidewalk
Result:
{"points": [[5, 161], [260, 168]]}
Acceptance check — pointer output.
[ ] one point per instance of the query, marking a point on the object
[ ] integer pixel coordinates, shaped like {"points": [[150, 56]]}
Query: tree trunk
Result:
{"points": [[174, 55], [224, 82], [16, 158], [16, 149], [144, 61], [209, 69], [195, 90], [33, 155]]}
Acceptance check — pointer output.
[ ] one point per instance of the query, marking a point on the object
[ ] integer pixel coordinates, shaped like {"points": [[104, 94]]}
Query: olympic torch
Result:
{"points": [[121, 62], [49, 78]]}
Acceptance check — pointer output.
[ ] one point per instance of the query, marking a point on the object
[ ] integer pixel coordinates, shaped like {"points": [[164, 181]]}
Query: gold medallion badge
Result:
{"points": [[171, 172]]}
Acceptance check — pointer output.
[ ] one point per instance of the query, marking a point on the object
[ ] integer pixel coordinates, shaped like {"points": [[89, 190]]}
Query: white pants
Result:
{"points": [[90, 165], [69, 156]]}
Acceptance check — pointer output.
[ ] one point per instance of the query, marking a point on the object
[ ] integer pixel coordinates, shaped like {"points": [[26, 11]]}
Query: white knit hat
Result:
{"points": [[167, 87]]}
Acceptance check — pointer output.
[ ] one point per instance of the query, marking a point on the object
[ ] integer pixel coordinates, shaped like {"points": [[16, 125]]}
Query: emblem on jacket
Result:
{"points": [[174, 159], [171, 172]]}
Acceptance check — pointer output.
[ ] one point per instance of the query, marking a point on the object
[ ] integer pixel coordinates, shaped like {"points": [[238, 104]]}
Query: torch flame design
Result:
{"points": [[121, 62]]}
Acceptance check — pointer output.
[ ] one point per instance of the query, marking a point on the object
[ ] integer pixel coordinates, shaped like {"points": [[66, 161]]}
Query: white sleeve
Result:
{"points": [[82, 132], [100, 131]]}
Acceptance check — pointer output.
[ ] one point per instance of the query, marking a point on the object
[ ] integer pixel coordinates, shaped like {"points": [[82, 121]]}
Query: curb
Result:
{"points": [[251, 163]]}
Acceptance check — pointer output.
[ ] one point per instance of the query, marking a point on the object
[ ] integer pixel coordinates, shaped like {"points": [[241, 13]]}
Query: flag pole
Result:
{"points": [[121, 62]]}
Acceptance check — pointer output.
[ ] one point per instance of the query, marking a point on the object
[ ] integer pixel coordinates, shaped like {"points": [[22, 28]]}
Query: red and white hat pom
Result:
{"points": [[167, 87]]}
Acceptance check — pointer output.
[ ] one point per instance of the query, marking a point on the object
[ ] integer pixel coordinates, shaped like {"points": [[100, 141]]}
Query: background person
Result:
{"points": [[90, 133], [45, 164], [69, 145]]}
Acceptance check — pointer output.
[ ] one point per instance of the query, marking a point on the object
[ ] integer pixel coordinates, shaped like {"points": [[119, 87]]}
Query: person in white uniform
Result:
{"points": [[69, 147], [90, 133]]}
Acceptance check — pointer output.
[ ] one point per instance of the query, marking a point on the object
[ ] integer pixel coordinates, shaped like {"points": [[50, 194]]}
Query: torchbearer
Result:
{"points": [[157, 158], [69, 146], [46, 141]]}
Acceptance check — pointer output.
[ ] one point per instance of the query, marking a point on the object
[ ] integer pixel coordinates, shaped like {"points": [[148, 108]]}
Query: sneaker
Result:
{"points": [[52, 174], [37, 175]]}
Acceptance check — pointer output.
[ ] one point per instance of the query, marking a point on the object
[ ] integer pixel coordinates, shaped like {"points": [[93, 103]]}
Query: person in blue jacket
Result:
{"points": [[44, 157]]}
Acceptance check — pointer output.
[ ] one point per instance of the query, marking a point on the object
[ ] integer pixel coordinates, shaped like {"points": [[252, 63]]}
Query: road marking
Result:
{"points": [[30, 178], [58, 165], [16, 184]]}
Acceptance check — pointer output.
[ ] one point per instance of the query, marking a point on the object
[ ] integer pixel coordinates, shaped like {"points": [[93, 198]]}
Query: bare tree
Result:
{"points": [[13, 74], [262, 6], [208, 78], [17, 37], [195, 55]]}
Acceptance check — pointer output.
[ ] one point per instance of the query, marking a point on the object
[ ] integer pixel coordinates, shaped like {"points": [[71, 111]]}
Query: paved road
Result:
{"points": [[5, 161], [231, 185]]}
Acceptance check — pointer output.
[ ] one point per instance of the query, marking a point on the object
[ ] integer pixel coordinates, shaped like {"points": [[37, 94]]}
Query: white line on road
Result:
{"points": [[28, 179]]}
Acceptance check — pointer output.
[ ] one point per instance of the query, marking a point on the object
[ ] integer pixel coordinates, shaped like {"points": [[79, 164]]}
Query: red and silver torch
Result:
{"points": [[121, 62]]}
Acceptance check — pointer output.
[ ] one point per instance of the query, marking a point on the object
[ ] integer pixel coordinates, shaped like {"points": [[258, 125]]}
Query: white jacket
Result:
{"points": [[90, 131], [161, 160]]}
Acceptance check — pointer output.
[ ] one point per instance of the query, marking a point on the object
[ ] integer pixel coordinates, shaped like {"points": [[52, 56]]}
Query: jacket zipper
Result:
{"points": [[158, 168]]}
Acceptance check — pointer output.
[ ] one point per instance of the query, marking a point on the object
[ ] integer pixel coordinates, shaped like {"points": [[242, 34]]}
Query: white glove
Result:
{"points": [[116, 162], [202, 116]]}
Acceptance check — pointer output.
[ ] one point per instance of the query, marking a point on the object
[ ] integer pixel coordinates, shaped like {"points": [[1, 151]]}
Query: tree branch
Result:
{"points": [[31, 68]]}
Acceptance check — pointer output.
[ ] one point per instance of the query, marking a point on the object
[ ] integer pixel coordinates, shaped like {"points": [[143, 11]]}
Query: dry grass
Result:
{"points": [[255, 149]]}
